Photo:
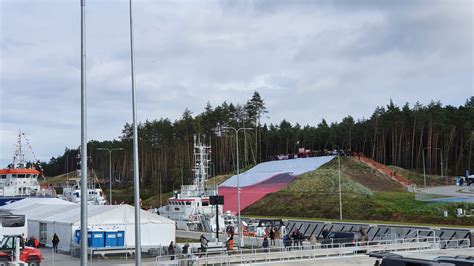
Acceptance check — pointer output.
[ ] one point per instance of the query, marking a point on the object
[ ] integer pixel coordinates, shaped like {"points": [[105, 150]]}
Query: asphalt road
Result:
{"points": [[450, 191]]}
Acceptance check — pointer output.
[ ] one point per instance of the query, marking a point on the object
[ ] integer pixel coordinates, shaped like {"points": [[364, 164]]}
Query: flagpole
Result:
{"points": [[136, 178], [83, 139]]}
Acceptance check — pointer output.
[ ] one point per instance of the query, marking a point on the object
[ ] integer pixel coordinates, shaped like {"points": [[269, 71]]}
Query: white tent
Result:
{"points": [[64, 219], [26, 202]]}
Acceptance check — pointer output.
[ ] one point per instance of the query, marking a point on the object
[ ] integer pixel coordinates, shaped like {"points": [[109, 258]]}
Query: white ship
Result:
{"points": [[190, 208], [18, 181], [72, 190]]}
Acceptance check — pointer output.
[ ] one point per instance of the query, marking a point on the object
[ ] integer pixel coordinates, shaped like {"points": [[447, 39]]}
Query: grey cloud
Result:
{"points": [[308, 59]]}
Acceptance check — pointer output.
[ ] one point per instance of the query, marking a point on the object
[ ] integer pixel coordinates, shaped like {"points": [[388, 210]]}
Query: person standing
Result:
{"points": [[230, 243], [325, 233], [300, 238], [287, 242], [277, 235], [313, 241], [171, 250], [272, 236], [265, 244], [294, 236], [186, 249], [55, 242], [362, 235]]}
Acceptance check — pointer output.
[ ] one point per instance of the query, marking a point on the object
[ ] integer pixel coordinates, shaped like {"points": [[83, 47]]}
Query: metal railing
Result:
{"points": [[309, 252]]}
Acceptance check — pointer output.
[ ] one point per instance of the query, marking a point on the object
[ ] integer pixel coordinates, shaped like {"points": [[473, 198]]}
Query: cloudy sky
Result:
{"points": [[308, 59]]}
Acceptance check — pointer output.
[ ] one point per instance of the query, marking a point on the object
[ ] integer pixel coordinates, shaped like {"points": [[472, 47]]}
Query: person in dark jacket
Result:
{"points": [[171, 250], [55, 242], [204, 242], [272, 237], [31, 242], [325, 233], [186, 249], [287, 242], [265, 244], [294, 236]]}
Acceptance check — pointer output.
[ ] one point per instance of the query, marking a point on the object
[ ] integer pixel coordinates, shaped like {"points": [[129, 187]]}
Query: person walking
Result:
{"points": [[55, 242], [272, 236], [171, 250], [204, 242]]}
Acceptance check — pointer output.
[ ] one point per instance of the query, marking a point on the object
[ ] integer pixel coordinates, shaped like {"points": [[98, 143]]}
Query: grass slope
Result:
{"points": [[315, 195], [431, 180]]}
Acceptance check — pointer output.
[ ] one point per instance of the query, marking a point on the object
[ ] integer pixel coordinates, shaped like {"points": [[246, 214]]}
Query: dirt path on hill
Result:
{"points": [[369, 177]]}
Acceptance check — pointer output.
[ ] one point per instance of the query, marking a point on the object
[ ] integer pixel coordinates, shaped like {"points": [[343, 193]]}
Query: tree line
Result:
{"points": [[404, 136]]}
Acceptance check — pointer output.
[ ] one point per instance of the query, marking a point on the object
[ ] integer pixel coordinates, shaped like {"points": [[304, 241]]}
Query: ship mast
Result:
{"points": [[201, 163], [19, 156]]}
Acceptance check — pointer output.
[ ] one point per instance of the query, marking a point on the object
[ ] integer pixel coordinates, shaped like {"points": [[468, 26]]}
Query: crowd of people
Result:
{"points": [[291, 241]]}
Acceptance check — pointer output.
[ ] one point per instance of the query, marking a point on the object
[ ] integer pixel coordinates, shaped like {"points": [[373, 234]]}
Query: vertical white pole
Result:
{"points": [[424, 170], [238, 189], [110, 177], [83, 139], [136, 178], [340, 189]]}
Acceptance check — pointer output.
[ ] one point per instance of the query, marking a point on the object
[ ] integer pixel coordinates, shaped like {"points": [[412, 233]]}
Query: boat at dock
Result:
{"points": [[72, 188], [19, 179], [191, 208]]}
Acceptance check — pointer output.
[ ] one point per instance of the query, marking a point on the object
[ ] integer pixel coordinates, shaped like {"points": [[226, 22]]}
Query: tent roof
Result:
{"points": [[41, 211], [108, 215], [26, 202], [60, 211]]}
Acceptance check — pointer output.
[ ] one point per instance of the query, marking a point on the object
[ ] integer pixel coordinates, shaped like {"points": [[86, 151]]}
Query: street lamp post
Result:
{"points": [[238, 179], [110, 169], [441, 153], [424, 167]]}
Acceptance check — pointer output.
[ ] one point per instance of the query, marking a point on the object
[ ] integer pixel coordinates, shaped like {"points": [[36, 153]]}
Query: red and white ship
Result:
{"points": [[19, 181]]}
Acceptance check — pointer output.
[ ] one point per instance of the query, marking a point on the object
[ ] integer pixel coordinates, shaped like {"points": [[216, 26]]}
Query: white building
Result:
{"points": [[48, 216]]}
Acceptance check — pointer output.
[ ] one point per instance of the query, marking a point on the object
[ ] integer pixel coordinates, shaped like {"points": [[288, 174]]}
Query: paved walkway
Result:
{"points": [[366, 260], [450, 191], [58, 259]]}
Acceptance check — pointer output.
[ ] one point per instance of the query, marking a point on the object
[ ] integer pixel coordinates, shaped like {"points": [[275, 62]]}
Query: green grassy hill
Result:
{"points": [[431, 180], [366, 195]]}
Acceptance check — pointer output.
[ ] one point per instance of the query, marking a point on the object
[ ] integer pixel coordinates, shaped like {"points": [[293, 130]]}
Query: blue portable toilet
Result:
{"points": [[77, 236], [120, 238], [97, 239], [111, 238]]}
